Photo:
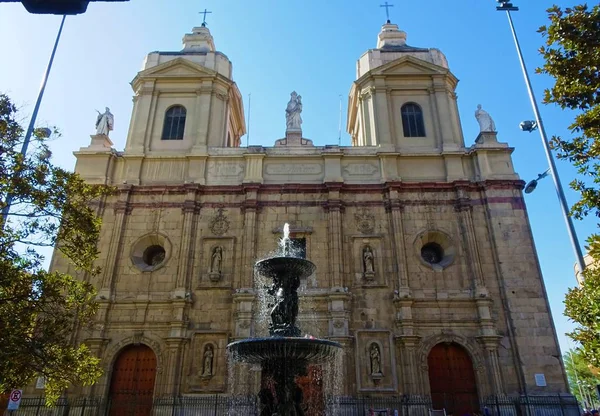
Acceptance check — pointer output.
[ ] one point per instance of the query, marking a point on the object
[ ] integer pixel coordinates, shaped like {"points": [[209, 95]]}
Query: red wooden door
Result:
{"points": [[452, 380], [312, 391], [132, 383]]}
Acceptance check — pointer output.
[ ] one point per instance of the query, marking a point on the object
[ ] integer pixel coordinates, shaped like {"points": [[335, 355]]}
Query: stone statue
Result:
{"points": [[368, 261], [104, 122], [375, 355], [484, 119], [217, 260], [293, 120], [207, 367]]}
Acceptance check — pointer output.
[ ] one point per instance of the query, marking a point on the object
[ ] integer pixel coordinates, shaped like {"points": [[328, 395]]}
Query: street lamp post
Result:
{"points": [[508, 7], [29, 132]]}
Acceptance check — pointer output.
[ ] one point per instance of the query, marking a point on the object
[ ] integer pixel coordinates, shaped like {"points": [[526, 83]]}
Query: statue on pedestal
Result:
{"points": [[104, 122], [293, 120], [486, 123], [375, 355], [207, 365], [369, 265]]}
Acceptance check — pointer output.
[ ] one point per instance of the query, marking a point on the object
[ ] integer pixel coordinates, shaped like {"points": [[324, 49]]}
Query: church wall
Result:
{"points": [[216, 210], [443, 301]]}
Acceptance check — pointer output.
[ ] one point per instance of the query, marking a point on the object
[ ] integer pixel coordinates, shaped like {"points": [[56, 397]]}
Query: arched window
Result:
{"points": [[412, 120], [174, 123]]}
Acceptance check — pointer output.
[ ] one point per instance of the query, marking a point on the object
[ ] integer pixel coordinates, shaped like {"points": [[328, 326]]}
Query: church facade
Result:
{"points": [[424, 252]]}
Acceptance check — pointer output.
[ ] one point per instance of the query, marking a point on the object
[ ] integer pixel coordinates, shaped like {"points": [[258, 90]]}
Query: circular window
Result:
{"points": [[432, 253], [435, 249], [150, 252], [154, 255]]}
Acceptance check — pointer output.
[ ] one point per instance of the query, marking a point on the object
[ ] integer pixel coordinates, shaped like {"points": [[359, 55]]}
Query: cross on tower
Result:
{"points": [[387, 10], [205, 12]]}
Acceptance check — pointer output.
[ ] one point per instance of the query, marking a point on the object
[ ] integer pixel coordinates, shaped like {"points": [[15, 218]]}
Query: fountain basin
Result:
{"points": [[277, 267], [264, 350]]}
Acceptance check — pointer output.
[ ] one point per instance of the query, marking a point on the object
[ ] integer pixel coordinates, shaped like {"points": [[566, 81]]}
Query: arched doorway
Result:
{"points": [[132, 382], [452, 380]]}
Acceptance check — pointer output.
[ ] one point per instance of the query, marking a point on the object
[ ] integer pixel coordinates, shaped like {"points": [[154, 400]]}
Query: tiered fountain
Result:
{"points": [[284, 355]]}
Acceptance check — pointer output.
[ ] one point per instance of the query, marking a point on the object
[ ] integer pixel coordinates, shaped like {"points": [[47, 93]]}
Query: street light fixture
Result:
{"points": [[528, 125], [530, 187], [508, 7]]}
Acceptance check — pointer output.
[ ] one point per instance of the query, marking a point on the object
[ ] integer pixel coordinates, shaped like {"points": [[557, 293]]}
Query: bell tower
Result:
{"points": [[186, 101], [403, 98]]}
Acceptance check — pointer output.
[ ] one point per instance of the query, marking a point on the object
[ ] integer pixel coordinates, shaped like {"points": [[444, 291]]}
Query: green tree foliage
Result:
{"points": [[42, 310], [572, 58], [582, 381]]}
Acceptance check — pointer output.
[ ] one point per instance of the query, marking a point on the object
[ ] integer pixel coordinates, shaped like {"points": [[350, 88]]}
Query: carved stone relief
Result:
{"points": [[294, 169], [360, 169], [365, 221], [219, 224]]}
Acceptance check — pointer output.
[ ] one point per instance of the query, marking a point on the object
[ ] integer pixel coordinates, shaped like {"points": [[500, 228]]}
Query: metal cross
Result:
{"points": [[387, 9], [205, 12]]}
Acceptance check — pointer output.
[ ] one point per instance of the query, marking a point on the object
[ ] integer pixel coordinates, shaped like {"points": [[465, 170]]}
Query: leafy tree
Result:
{"points": [[41, 310], [572, 58], [582, 380]]}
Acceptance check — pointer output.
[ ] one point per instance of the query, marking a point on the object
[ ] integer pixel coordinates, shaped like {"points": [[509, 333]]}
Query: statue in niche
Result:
{"points": [[216, 262], [368, 261], [104, 122], [293, 120], [375, 356], [207, 362], [486, 123]]}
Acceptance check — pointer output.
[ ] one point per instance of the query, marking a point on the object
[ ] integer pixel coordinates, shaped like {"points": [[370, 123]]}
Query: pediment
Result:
{"points": [[176, 68], [409, 65]]}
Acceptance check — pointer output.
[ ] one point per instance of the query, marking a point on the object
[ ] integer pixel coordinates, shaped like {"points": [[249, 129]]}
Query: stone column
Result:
{"points": [[334, 208]]}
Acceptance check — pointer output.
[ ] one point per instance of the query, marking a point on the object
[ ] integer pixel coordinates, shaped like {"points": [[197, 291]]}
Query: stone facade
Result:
{"points": [[388, 194]]}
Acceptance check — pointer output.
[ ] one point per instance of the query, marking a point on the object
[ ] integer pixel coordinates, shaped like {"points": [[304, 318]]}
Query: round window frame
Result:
{"points": [[443, 240], [138, 249]]}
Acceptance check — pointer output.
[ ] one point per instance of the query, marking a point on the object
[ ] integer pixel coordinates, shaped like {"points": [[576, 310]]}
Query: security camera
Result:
{"points": [[528, 125]]}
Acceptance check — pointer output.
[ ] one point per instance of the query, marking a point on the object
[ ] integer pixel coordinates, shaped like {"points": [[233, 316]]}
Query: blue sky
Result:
{"points": [[309, 46]]}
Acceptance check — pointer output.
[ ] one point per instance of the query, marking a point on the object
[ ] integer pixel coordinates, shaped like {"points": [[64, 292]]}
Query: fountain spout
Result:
{"points": [[284, 243]]}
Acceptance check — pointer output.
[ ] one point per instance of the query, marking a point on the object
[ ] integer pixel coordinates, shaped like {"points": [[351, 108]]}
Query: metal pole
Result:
{"points": [[248, 134], [29, 132], [559, 190]]}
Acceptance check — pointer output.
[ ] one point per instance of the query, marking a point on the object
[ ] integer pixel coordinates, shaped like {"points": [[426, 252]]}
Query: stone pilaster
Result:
{"points": [[464, 208], [410, 366], [122, 210], [243, 301], [490, 344], [395, 210], [334, 209], [339, 313], [174, 367], [250, 209], [186, 249], [97, 347]]}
